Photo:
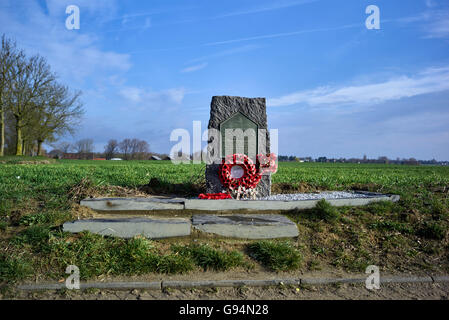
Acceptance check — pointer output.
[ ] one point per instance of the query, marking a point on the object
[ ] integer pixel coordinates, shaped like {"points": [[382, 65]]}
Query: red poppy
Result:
{"points": [[214, 196], [267, 163]]}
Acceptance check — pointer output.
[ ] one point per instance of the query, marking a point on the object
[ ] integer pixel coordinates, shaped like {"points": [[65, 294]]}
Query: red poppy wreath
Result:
{"points": [[249, 177]]}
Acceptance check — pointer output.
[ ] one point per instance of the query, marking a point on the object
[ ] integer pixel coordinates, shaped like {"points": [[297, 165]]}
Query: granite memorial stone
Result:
{"points": [[243, 128]]}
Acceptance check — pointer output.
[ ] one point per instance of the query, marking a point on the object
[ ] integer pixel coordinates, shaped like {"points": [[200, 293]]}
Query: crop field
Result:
{"points": [[37, 196], [63, 174]]}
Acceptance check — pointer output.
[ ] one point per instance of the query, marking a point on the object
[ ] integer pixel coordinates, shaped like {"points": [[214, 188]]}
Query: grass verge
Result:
{"points": [[278, 256], [408, 236], [210, 258]]}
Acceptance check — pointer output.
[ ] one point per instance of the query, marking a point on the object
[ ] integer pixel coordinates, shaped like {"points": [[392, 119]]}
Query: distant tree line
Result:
{"points": [[127, 149], [379, 160], [287, 158], [34, 107]]}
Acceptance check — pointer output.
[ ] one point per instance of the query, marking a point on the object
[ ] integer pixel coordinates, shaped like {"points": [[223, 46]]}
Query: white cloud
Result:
{"points": [[439, 25], [227, 52], [430, 3], [125, 20], [148, 97], [132, 23], [195, 68], [73, 54], [176, 94], [429, 81], [271, 7], [283, 34], [132, 94], [103, 9], [435, 22], [147, 23]]}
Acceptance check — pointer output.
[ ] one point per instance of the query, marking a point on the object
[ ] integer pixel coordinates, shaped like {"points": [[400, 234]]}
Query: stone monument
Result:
{"points": [[247, 118]]}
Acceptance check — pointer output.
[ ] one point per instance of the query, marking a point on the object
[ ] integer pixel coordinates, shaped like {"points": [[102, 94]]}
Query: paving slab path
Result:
{"points": [[246, 226], [227, 224], [153, 228]]}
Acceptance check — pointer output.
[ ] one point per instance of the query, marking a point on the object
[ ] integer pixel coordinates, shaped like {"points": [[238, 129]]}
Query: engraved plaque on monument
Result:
{"points": [[244, 141]]}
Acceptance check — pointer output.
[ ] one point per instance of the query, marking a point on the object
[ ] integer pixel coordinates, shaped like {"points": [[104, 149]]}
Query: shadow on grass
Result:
{"points": [[158, 187]]}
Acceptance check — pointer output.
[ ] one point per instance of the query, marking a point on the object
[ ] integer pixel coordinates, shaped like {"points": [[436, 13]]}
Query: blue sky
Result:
{"points": [[333, 87]]}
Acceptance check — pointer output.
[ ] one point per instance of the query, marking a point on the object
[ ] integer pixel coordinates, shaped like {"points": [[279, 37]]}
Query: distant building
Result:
{"points": [[56, 154], [79, 156]]}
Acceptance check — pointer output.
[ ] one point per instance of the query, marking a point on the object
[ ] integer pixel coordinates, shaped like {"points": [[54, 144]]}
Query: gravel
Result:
{"points": [[319, 196], [327, 195]]}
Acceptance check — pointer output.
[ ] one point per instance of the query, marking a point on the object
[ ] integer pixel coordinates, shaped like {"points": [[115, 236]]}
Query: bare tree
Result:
{"points": [[57, 113], [84, 146], [10, 129], [8, 56], [142, 150], [126, 148], [33, 102], [56, 153], [134, 149], [111, 149], [63, 146], [32, 80], [133, 146]]}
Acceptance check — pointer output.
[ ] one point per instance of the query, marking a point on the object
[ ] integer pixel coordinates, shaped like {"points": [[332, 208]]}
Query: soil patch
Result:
{"points": [[282, 188], [86, 189], [157, 187], [35, 162], [81, 212]]}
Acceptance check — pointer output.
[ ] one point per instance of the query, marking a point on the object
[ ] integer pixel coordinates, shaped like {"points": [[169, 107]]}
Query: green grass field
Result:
{"points": [[35, 199]]}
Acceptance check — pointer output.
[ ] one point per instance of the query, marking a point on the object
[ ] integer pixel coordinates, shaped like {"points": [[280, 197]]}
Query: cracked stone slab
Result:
{"points": [[153, 228], [298, 201], [274, 205], [246, 226], [133, 204]]}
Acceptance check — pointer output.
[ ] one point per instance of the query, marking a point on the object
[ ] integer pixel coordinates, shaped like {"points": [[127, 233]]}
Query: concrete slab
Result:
{"points": [[264, 205], [153, 228], [440, 278], [133, 204], [319, 281], [154, 203], [122, 285], [161, 285], [246, 226], [229, 283], [405, 279]]}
